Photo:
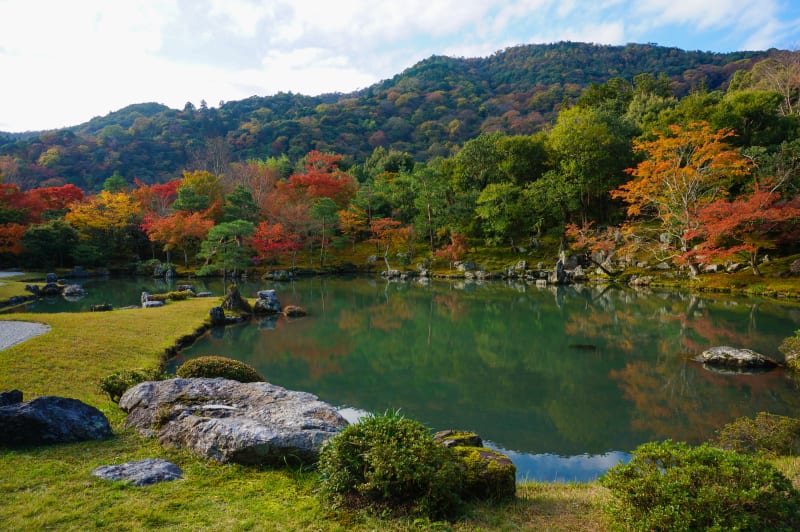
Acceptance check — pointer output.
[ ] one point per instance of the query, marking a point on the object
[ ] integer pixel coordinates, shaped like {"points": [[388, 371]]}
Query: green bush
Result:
{"points": [[118, 382], [767, 434], [388, 463], [214, 366], [673, 486]]}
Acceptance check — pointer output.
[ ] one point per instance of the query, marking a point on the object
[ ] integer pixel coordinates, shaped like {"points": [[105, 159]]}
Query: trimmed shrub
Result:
{"points": [[767, 434], [215, 366], [388, 463], [673, 486], [118, 382]]}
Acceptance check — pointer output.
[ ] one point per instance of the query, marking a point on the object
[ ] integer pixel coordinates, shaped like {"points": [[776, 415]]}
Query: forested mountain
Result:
{"points": [[428, 110]]}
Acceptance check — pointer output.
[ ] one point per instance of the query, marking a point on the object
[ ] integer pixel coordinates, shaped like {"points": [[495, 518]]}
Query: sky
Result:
{"points": [[65, 62]]}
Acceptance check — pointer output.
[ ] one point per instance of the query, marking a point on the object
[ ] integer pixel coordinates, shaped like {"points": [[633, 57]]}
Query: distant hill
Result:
{"points": [[427, 110]]}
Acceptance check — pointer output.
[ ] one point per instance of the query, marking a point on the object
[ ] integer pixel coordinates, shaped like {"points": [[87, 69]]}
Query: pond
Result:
{"points": [[566, 381]]}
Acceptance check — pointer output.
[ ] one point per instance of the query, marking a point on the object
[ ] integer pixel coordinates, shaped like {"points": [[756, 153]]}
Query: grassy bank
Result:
{"points": [[52, 488]]}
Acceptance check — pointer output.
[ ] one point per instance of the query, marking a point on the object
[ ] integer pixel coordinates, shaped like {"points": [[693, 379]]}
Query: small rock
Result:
{"points": [[141, 472], [294, 311], [451, 438]]}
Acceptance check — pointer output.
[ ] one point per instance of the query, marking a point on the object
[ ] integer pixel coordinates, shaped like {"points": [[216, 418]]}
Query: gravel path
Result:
{"points": [[14, 332]]}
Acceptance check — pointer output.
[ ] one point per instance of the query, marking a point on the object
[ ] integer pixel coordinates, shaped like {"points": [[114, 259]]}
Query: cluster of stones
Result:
{"points": [[54, 287]]}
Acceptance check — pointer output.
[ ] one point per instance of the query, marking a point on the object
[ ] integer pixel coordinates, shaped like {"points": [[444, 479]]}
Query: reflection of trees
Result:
{"points": [[683, 401]]}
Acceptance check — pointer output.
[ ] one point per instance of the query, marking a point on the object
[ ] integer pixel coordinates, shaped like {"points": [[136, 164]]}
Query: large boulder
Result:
{"points": [[48, 420], [733, 357], [230, 421], [267, 303]]}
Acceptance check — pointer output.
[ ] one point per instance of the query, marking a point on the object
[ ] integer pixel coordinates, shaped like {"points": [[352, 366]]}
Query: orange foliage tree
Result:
{"points": [[454, 251], [179, 231], [11, 238], [684, 170], [750, 223], [273, 241]]}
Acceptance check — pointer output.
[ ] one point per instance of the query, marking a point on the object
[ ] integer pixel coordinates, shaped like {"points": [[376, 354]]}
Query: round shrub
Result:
{"points": [[118, 382], [390, 463], [214, 366], [673, 486], [767, 434]]}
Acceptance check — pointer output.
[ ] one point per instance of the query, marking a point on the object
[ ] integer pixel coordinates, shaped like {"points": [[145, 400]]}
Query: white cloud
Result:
{"points": [[64, 62]]}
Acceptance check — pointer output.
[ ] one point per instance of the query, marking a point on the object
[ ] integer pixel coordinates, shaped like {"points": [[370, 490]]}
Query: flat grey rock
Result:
{"points": [[141, 472], [230, 421]]}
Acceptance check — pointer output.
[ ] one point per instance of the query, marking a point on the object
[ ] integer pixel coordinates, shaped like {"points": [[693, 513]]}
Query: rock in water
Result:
{"points": [[735, 357], [230, 421], [47, 420], [267, 303], [141, 472]]}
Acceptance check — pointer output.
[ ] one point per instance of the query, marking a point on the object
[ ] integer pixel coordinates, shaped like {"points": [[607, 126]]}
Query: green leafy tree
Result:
{"points": [[592, 147], [49, 244], [497, 209], [115, 183], [224, 248], [239, 205]]}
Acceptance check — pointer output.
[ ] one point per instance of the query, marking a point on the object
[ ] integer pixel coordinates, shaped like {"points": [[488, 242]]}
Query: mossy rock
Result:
{"points": [[215, 366], [462, 438], [487, 474]]}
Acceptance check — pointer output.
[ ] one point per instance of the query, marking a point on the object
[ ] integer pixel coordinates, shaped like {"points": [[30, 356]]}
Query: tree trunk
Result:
{"points": [[754, 264], [386, 260]]}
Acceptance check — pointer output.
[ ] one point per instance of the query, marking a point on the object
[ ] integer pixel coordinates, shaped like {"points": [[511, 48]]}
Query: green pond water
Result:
{"points": [[566, 380]]}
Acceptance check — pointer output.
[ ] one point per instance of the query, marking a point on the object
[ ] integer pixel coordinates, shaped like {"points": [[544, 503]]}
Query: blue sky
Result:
{"points": [[66, 62]]}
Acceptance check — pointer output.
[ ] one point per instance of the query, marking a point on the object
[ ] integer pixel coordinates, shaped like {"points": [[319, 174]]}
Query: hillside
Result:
{"points": [[428, 110]]}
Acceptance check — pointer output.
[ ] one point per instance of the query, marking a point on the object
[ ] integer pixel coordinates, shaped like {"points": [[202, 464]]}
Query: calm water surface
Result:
{"points": [[567, 381]]}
